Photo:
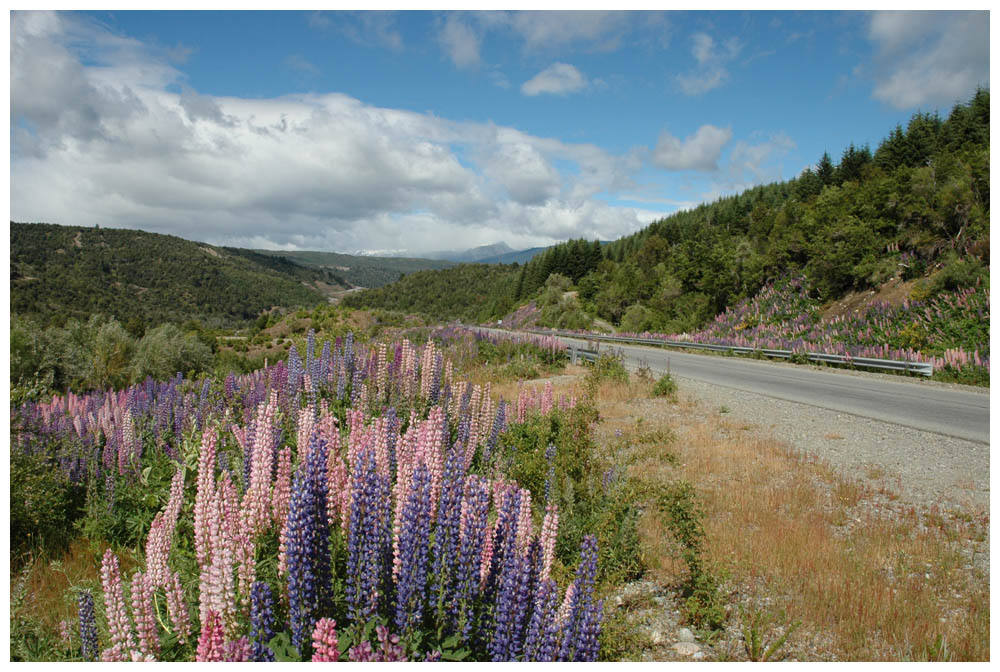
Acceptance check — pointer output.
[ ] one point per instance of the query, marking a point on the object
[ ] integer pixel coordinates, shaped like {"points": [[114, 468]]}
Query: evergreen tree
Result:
{"points": [[825, 170]]}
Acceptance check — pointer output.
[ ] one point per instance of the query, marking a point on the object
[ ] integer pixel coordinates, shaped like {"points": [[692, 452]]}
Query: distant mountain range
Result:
{"points": [[497, 253], [359, 270]]}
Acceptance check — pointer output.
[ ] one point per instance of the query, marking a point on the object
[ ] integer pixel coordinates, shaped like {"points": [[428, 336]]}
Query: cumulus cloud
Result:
{"points": [[127, 144], [711, 59], [699, 151], [461, 34], [459, 42], [929, 58], [558, 79]]}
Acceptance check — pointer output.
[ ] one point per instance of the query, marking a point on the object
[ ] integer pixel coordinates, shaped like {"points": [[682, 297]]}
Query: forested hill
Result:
{"points": [[358, 270], [60, 272], [918, 203]]}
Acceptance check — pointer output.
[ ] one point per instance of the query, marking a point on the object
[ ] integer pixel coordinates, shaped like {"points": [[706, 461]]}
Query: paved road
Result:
{"points": [[964, 414]]}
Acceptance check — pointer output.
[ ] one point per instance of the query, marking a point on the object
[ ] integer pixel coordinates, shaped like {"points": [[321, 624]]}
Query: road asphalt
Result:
{"points": [[952, 410]]}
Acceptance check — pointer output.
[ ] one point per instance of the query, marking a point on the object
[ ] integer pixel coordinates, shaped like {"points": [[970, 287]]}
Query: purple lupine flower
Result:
{"points": [[435, 390], [518, 574], [368, 537], [88, 626], [582, 626], [392, 434], [447, 539], [310, 347], [475, 507], [542, 632], [356, 379], [550, 454], [294, 373], [261, 622], [308, 553], [413, 550], [498, 424]]}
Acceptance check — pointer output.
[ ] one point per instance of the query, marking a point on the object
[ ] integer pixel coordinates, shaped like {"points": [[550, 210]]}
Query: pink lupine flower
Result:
{"points": [[282, 486], [336, 486], [567, 604], [204, 497], [142, 609], [326, 426], [257, 499], [178, 608], [524, 521], [160, 539], [65, 633], [212, 640], [216, 584], [325, 645], [487, 557], [550, 525], [237, 651], [128, 450], [119, 625], [306, 426]]}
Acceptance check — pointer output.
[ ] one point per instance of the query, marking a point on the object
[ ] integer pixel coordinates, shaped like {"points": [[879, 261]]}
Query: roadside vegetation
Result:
{"points": [[916, 209]]}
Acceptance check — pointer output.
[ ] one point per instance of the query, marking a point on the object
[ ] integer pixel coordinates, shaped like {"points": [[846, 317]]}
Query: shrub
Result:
{"points": [[166, 350], [43, 505], [665, 387], [609, 367]]}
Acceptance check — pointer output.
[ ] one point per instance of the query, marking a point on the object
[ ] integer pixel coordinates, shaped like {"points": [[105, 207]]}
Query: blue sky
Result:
{"points": [[417, 131]]}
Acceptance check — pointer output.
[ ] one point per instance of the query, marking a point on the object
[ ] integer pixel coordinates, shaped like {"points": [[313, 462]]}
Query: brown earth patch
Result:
{"points": [[893, 292]]}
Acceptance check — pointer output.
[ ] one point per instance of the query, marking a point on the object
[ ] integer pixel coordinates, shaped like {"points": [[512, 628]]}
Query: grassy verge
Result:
{"points": [[778, 555]]}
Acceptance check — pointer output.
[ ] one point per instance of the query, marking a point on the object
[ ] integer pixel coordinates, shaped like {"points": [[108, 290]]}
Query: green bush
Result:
{"points": [[665, 387], [610, 366], [704, 606], [958, 273], [165, 350], [592, 498], [111, 356], [43, 506]]}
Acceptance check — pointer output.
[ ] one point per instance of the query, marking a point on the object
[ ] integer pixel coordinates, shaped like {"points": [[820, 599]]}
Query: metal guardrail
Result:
{"points": [[576, 354], [922, 368]]}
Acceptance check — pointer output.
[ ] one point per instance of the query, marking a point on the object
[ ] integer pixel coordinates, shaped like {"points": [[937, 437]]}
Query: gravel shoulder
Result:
{"points": [[924, 468]]}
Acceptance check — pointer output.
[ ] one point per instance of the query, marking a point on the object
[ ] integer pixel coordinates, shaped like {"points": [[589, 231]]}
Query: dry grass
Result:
{"points": [[48, 598], [869, 578]]}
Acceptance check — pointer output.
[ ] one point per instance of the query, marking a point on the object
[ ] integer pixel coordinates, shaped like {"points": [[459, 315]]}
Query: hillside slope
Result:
{"points": [[58, 272], [917, 205]]}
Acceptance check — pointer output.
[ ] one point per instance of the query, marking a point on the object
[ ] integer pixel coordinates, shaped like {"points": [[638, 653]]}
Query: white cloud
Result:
{"points": [[460, 42], [699, 151], [711, 59], [558, 79], [543, 30], [929, 58], [116, 144], [367, 28], [755, 163]]}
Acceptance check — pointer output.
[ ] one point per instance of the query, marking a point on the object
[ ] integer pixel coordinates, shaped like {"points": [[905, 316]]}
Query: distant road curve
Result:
{"points": [[953, 411]]}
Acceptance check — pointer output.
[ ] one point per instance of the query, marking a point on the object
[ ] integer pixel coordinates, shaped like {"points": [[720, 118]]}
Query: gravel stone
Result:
{"points": [[687, 648]]}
